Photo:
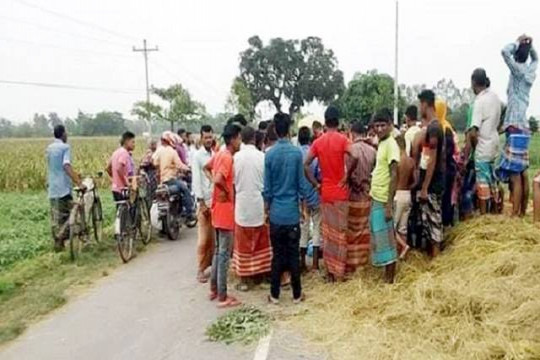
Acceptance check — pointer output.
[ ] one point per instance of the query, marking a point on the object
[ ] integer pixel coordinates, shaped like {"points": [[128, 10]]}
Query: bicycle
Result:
{"points": [[132, 219], [86, 206]]}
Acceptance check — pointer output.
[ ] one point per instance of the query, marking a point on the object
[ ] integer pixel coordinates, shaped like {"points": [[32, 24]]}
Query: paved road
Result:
{"points": [[149, 309]]}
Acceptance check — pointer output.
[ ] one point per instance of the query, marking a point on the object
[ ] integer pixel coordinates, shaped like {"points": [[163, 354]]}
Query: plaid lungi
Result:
{"points": [[383, 241], [515, 157], [252, 251], [359, 235], [334, 233]]}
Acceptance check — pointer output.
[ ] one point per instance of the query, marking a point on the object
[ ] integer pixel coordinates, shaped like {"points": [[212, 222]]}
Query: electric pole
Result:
{"points": [[396, 84], [145, 50]]}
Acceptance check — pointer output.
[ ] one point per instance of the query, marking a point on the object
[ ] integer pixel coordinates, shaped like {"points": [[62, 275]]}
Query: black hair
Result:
{"points": [[230, 132], [248, 135], [59, 131], [316, 125], [412, 112], [260, 137], [282, 124], [359, 128], [383, 115], [271, 132], [479, 78], [128, 135], [331, 117], [263, 125], [522, 53], [206, 129], [181, 131], [237, 119], [427, 96], [304, 135]]}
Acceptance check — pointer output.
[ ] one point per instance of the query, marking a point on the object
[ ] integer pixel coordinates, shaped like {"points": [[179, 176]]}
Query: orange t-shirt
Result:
{"points": [[330, 148], [223, 212]]}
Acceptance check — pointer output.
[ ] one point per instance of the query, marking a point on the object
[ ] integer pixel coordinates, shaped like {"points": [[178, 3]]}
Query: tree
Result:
{"points": [[295, 71], [6, 128], [458, 117], [240, 100], [533, 124], [181, 108], [366, 94], [40, 126], [454, 97]]}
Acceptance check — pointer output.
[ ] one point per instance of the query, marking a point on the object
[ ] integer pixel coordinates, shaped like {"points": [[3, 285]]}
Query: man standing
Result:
{"points": [[359, 198], [60, 176], [383, 189], [312, 214], [252, 252], [515, 158], [330, 149], [120, 166], [284, 182], [411, 118], [431, 176], [484, 137], [202, 188], [222, 170]]}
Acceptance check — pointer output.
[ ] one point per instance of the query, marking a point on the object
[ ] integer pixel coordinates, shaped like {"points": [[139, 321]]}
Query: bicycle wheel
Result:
{"points": [[124, 233], [97, 219], [77, 226], [144, 224]]}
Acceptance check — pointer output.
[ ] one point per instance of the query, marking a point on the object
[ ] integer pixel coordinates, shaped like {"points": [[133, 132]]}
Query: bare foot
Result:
{"points": [[404, 252]]}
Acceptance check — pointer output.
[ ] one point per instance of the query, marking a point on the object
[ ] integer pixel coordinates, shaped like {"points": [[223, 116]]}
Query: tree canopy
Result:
{"points": [[290, 71]]}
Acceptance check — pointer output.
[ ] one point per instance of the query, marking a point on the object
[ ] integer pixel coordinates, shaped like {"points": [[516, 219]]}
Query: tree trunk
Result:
{"points": [[172, 125]]}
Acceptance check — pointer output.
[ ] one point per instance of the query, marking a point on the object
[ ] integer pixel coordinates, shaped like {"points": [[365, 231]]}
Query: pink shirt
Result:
{"points": [[122, 167]]}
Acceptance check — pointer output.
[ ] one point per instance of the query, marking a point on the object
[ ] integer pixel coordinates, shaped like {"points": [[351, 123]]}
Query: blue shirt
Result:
{"points": [[314, 167], [58, 154], [522, 76], [284, 183]]}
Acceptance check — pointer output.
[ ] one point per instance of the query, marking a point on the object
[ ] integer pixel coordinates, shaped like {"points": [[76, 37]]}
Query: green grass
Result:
{"points": [[33, 279]]}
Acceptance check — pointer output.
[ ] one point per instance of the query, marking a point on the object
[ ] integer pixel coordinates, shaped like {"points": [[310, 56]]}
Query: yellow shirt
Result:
{"points": [[387, 152], [168, 162]]}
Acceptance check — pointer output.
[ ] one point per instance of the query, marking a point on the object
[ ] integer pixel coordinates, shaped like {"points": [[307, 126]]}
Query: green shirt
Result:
{"points": [[387, 152]]}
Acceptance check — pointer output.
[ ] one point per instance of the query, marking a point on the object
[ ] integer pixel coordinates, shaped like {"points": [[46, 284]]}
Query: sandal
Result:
{"points": [[212, 296], [272, 300], [201, 278], [229, 302], [243, 287], [302, 298]]}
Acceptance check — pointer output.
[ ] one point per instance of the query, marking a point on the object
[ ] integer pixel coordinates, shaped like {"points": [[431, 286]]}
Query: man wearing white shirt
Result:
{"points": [[202, 188], [252, 251]]}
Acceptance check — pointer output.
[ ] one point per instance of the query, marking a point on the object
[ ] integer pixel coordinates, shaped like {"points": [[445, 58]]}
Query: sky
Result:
{"points": [[88, 44]]}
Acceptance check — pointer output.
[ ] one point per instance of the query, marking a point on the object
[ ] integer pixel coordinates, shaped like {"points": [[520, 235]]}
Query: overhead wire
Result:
{"points": [[72, 87]]}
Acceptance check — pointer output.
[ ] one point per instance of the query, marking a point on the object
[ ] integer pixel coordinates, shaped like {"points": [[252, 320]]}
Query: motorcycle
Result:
{"points": [[170, 212]]}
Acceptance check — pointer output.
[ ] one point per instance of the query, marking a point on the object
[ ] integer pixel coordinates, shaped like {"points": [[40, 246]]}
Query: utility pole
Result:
{"points": [[145, 50], [396, 88]]}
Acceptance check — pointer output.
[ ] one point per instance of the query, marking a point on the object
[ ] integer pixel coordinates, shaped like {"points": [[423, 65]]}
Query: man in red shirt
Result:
{"points": [[221, 167], [330, 149]]}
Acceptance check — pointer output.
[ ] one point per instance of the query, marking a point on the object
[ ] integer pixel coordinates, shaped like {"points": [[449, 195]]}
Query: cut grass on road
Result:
{"points": [[33, 279]]}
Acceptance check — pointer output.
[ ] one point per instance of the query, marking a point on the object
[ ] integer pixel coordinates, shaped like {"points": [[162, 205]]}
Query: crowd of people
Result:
{"points": [[343, 195]]}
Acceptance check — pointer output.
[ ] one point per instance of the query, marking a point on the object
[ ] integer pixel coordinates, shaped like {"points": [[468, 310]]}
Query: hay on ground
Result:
{"points": [[479, 300]]}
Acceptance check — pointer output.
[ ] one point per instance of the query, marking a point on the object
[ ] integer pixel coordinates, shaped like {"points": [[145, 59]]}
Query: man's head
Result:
{"points": [[260, 137], [331, 117], [317, 129], [263, 125], [183, 135], [282, 124], [427, 103], [248, 135], [479, 81], [231, 136], [207, 137], [358, 130], [60, 133], [522, 53], [271, 135], [411, 115], [189, 138], [152, 145], [127, 140], [304, 135], [238, 119], [382, 123]]}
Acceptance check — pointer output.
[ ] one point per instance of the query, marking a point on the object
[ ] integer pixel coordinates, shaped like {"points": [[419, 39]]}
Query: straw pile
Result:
{"points": [[479, 300]]}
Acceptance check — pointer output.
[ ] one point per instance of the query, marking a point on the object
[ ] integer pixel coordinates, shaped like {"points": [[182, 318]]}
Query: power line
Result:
{"points": [[34, 43], [58, 31], [72, 87], [75, 20], [145, 50]]}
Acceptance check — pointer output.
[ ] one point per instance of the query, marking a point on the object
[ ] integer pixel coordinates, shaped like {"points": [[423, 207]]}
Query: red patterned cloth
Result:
{"points": [[252, 251]]}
